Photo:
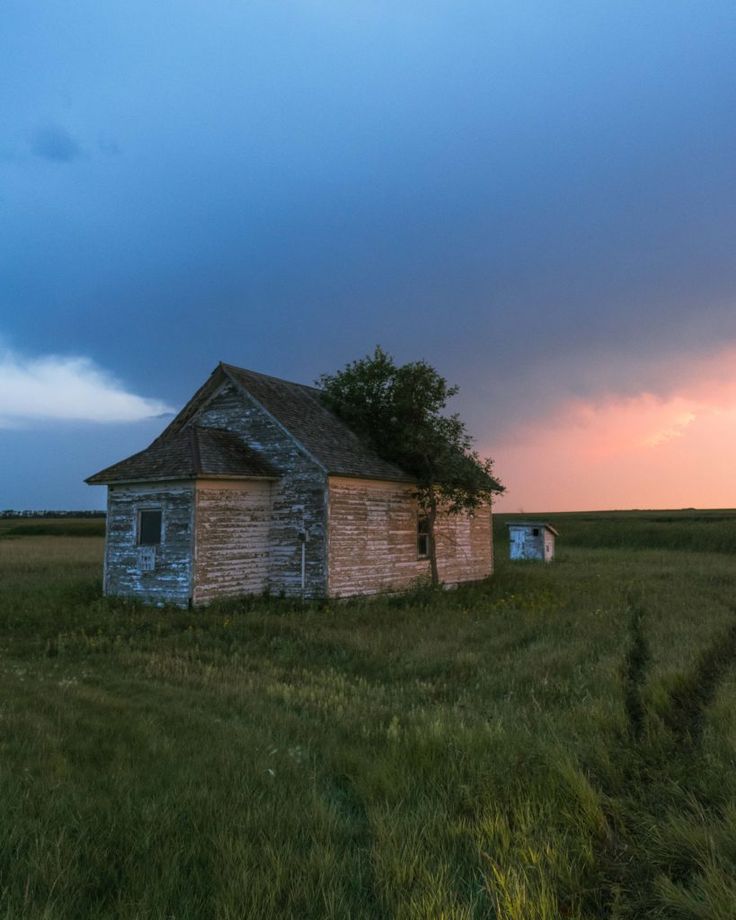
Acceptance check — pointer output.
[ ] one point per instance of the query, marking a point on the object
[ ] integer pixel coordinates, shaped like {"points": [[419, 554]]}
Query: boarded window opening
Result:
{"points": [[149, 528], [423, 537]]}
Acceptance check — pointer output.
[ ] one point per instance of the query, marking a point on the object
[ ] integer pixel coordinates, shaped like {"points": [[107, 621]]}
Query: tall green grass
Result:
{"points": [[557, 742]]}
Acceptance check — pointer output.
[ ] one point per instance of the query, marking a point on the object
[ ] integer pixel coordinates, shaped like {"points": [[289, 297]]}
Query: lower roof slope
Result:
{"points": [[191, 453]]}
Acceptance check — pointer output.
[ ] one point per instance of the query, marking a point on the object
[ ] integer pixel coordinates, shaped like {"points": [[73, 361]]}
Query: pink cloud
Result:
{"points": [[676, 448]]}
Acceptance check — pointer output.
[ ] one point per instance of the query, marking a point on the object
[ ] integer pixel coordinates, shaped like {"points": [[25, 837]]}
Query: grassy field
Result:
{"points": [[53, 527], [558, 742]]}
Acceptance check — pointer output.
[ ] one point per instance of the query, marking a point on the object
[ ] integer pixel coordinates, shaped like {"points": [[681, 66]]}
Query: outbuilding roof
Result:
{"points": [[296, 407], [533, 524], [191, 453]]}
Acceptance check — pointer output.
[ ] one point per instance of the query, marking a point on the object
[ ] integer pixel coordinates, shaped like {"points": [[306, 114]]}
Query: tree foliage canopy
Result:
{"points": [[399, 411]]}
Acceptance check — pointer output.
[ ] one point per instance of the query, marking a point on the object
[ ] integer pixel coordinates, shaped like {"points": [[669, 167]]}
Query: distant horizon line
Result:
{"points": [[87, 512]]}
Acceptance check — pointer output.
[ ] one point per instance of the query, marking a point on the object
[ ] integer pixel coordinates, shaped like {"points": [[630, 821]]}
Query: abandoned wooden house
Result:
{"points": [[256, 486]]}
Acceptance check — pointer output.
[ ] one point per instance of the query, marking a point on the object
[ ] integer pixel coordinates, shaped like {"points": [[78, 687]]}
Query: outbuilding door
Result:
{"points": [[518, 544]]}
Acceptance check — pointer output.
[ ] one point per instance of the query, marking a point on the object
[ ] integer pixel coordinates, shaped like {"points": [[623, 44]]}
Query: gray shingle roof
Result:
{"points": [[176, 454], [188, 454], [327, 438]]}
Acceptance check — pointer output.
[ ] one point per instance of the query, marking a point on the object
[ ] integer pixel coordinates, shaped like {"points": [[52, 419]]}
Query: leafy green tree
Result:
{"points": [[399, 411]]}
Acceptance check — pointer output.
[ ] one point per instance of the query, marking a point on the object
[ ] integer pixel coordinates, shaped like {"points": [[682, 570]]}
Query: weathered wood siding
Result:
{"points": [[465, 546], [232, 521], [170, 580], [373, 540], [298, 497]]}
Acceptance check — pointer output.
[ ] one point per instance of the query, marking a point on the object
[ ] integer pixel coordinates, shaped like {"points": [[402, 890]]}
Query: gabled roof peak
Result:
{"points": [[298, 409], [234, 368]]}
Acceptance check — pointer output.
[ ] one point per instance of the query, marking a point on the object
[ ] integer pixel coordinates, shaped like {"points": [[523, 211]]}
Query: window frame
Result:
{"points": [[422, 536], [139, 524]]}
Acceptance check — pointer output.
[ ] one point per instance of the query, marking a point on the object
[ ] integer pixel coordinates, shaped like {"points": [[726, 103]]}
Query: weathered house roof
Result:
{"points": [[297, 408], [191, 453], [325, 436]]}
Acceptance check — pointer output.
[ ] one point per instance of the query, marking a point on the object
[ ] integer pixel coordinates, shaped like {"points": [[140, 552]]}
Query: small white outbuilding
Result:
{"points": [[531, 540]]}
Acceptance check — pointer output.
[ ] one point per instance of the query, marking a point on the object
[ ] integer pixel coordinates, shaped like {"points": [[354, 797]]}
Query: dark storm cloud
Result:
{"points": [[52, 142], [539, 198]]}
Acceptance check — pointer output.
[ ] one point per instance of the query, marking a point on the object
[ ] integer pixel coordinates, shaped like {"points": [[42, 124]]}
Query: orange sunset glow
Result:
{"points": [[673, 449]]}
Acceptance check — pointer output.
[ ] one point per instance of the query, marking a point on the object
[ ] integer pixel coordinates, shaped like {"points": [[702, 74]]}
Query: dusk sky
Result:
{"points": [[539, 198]]}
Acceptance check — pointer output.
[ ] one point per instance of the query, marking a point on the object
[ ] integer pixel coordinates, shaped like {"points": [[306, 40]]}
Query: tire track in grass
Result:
{"points": [[636, 665], [689, 700], [620, 870], [652, 764], [339, 790]]}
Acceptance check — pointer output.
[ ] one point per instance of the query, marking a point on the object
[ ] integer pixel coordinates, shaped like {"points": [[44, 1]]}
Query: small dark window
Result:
{"points": [[149, 528], [423, 537], [535, 532]]}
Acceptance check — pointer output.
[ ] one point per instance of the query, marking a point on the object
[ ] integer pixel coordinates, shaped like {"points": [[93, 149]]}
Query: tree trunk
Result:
{"points": [[431, 519]]}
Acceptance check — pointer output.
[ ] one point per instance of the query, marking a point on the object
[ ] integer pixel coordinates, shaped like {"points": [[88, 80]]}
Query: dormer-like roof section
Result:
{"points": [[191, 453], [298, 409]]}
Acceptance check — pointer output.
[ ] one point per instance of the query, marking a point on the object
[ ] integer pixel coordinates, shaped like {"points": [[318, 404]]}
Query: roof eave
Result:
{"points": [[93, 481], [533, 524], [343, 475]]}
